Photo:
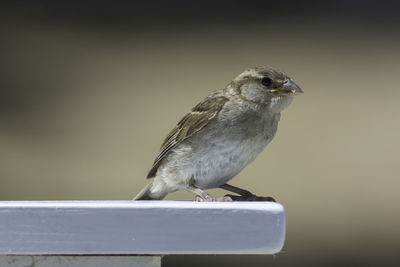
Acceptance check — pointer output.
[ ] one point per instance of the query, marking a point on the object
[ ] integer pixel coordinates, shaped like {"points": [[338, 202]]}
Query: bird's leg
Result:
{"points": [[237, 190], [202, 196], [245, 195]]}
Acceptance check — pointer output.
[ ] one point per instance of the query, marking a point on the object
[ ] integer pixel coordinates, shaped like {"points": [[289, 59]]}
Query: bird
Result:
{"points": [[220, 136]]}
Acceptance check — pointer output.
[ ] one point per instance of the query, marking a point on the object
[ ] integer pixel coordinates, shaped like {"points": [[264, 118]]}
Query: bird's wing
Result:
{"points": [[190, 124]]}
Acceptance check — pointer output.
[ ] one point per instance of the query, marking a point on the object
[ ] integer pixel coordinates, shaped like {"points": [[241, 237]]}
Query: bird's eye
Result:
{"points": [[266, 81]]}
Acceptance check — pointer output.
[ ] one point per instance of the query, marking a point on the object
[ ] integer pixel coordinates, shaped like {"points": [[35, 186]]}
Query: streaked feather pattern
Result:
{"points": [[190, 124]]}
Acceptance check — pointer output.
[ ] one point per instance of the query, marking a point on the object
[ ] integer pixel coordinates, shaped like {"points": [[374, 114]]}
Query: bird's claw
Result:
{"points": [[209, 198], [250, 197]]}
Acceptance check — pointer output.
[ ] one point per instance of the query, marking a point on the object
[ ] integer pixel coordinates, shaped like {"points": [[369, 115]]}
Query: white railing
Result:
{"points": [[48, 233]]}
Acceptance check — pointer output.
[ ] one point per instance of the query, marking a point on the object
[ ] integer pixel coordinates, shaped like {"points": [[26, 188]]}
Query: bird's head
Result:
{"points": [[266, 85]]}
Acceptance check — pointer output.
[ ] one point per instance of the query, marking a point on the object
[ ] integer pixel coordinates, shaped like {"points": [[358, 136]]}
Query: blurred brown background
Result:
{"points": [[89, 90]]}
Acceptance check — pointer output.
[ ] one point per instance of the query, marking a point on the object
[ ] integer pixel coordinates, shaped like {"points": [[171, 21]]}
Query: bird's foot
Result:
{"points": [[208, 198], [250, 197]]}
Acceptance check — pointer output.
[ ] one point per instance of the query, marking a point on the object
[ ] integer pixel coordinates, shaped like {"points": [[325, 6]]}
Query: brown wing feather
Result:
{"points": [[191, 123]]}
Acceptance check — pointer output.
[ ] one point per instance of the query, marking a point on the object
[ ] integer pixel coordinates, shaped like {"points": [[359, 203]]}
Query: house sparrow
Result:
{"points": [[220, 136]]}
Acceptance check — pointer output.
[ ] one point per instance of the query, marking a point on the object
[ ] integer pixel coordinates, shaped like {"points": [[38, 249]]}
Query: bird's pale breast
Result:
{"points": [[220, 153]]}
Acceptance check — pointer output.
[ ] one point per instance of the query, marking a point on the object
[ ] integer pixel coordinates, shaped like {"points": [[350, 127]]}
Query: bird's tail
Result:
{"points": [[144, 194]]}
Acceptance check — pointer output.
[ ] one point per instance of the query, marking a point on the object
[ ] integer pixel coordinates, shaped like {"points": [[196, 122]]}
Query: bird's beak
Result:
{"points": [[290, 87]]}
